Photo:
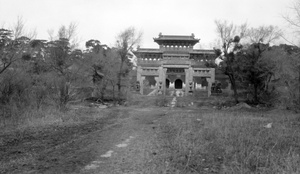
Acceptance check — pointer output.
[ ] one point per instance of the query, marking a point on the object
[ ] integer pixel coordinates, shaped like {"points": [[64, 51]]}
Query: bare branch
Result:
{"points": [[18, 28], [266, 34], [293, 21], [228, 31], [51, 34]]}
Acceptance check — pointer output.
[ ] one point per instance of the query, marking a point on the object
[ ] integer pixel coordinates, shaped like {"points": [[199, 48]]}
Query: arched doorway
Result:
{"points": [[167, 83], [178, 84]]}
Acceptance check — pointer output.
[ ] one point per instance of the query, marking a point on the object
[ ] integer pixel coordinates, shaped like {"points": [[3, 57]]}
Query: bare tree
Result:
{"points": [[294, 21], [265, 34], [51, 34], [19, 29], [230, 35], [294, 18], [126, 41], [227, 31], [66, 32]]}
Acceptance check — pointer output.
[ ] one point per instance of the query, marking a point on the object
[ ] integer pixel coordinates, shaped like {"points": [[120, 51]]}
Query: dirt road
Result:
{"points": [[118, 143], [126, 147]]}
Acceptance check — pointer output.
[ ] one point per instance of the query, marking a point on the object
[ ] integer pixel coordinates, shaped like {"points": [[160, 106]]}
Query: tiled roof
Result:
{"points": [[175, 37], [200, 51], [149, 50]]}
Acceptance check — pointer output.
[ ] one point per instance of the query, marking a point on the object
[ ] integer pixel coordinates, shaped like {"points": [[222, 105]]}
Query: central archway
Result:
{"points": [[178, 84]]}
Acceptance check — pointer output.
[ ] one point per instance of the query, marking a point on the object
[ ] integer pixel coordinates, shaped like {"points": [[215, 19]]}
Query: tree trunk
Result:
{"points": [[64, 95], [255, 93], [232, 81], [119, 80], [299, 87], [114, 92], [103, 90]]}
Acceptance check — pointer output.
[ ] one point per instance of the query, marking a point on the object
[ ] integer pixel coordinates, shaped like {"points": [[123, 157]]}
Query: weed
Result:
{"points": [[230, 142]]}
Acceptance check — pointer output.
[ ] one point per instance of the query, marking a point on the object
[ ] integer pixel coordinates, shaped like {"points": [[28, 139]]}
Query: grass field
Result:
{"points": [[222, 141], [198, 138]]}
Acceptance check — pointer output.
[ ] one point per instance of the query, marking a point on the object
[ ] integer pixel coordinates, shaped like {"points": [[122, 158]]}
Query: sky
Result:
{"points": [[105, 19]]}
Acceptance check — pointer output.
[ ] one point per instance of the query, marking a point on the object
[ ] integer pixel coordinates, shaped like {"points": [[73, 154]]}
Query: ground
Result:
{"points": [[78, 148], [152, 139]]}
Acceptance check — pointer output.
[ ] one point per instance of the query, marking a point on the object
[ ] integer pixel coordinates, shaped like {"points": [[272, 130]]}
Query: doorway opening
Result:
{"points": [[178, 84], [167, 83]]}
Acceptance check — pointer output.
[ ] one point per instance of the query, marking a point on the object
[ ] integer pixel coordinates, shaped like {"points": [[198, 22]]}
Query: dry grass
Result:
{"points": [[51, 141], [229, 142], [49, 116]]}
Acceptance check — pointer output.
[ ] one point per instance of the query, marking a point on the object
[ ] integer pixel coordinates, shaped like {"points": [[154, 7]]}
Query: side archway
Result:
{"points": [[167, 83]]}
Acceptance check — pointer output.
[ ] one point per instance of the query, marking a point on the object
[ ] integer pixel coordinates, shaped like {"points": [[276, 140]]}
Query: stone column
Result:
{"points": [[212, 75], [139, 78], [161, 80], [209, 80], [187, 81], [156, 85], [164, 72], [142, 84], [191, 76], [212, 80]]}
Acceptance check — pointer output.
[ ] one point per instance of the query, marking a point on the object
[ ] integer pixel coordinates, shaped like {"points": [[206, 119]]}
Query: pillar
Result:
{"points": [[212, 75], [142, 85], [212, 80], [209, 80], [139, 78], [161, 80], [157, 85], [187, 81], [164, 72]]}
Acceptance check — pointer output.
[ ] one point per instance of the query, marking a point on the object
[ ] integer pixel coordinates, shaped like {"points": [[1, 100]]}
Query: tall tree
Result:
{"points": [[286, 74], [230, 35], [11, 50], [103, 66], [61, 64], [294, 21], [294, 17], [255, 69], [126, 42]]}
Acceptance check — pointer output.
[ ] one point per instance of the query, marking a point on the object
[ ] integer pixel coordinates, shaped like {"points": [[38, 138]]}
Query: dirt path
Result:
{"points": [[119, 143], [131, 144]]}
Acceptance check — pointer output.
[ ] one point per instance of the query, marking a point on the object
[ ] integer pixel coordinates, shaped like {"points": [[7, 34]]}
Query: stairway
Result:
{"points": [[173, 102]]}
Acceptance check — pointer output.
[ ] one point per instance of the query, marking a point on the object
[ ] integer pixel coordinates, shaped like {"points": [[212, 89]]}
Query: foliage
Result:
{"points": [[64, 64], [230, 35], [102, 63], [11, 50], [286, 74], [255, 70], [126, 41], [246, 64]]}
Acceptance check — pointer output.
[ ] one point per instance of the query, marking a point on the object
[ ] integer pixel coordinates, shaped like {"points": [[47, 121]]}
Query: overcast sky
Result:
{"points": [[104, 19]]}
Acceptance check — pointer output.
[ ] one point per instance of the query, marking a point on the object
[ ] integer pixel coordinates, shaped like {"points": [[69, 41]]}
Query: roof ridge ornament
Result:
{"points": [[160, 34]]}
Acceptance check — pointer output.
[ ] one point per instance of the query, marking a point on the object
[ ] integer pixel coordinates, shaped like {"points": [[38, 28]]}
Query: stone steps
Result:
{"points": [[173, 102]]}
